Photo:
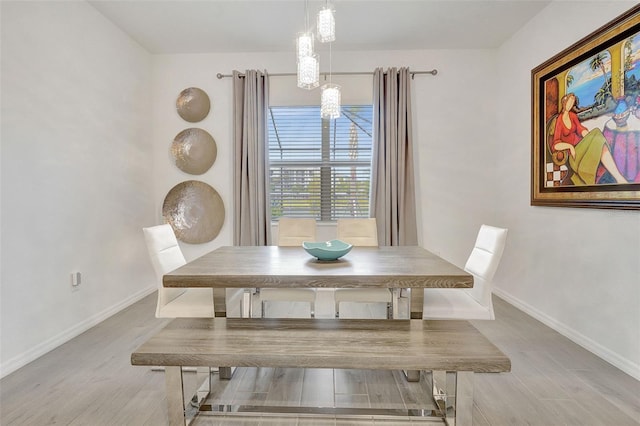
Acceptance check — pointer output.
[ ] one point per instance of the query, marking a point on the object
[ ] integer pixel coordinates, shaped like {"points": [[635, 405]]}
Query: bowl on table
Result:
{"points": [[327, 250]]}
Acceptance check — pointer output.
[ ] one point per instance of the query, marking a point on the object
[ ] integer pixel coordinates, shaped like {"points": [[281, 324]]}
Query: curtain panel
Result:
{"points": [[252, 213], [392, 198]]}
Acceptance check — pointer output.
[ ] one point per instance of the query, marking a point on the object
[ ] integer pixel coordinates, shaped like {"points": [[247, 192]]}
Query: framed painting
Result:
{"points": [[586, 121]]}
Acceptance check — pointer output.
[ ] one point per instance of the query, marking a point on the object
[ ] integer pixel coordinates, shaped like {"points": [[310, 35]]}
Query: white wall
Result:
{"points": [[457, 144], [575, 269], [76, 174], [451, 130]]}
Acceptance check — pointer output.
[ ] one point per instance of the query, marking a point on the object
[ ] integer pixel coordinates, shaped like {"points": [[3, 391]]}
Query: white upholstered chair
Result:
{"points": [[364, 233], [292, 232], [166, 256], [473, 303]]}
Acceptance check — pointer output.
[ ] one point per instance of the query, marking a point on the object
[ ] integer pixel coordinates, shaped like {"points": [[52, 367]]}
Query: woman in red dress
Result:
{"points": [[588, 150]]}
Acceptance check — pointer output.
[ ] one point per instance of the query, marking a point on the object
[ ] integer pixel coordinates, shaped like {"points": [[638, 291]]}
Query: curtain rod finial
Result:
{"points": [[220, 76]]}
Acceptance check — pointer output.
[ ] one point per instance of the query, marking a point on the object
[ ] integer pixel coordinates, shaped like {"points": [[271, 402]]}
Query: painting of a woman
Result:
{"points": [[589, 151]]}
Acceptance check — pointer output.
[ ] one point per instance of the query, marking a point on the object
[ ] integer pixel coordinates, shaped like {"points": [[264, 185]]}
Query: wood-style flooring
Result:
{"points": [[89, 380]]}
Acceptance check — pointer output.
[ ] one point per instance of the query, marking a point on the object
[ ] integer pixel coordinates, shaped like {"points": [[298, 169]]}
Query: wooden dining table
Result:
{"points": [[397, 267]]}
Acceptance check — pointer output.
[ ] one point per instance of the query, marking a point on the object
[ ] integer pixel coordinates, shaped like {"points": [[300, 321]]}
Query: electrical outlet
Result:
{"points": [[76, 280]]}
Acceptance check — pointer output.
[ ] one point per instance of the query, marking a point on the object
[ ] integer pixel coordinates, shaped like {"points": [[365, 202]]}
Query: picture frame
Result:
{"points": [[585, 121]]}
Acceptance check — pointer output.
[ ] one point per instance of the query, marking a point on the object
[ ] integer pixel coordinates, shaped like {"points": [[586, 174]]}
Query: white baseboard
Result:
{"points": [[37, 351], [626, 365]]}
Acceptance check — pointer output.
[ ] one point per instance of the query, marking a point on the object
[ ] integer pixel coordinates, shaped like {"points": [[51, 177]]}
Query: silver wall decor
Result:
{"points": [[193, 104], [194, 151], [195, 211]]}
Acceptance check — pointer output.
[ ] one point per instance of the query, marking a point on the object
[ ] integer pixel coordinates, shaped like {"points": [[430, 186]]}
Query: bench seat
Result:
{"points": [[443, 346]]}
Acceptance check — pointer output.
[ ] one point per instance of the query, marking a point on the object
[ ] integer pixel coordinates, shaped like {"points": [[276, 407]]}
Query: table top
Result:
{"points": [[277, 267]]}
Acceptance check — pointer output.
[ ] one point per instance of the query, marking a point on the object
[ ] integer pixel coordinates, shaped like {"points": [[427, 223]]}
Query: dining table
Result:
{"points": [[248, 267]]}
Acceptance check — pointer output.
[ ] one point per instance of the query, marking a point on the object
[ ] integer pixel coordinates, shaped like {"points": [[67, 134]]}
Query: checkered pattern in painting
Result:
{"points": [[555, 174]]}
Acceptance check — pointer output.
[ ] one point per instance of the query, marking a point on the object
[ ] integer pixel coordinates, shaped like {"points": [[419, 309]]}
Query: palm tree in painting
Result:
{"points": [[628, 53], [627, 49], [598, 62], [601, 96]]}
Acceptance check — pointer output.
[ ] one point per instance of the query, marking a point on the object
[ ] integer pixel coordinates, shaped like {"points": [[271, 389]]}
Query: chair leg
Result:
{"points": [[262, 309], [389, 310], [337, 309]]}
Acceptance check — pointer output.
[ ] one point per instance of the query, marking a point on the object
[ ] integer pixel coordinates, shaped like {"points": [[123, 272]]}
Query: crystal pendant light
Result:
{"points": [[330, 101], [326, 24], [308, 65], [304, 45], [308, 72], [330, 97]]}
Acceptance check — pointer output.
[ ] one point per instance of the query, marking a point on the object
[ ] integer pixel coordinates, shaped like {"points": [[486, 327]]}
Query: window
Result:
{"points": [[319, 168]]}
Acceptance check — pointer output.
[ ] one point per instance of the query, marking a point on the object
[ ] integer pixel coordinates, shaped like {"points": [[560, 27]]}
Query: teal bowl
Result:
{"points": [[328, 250]]}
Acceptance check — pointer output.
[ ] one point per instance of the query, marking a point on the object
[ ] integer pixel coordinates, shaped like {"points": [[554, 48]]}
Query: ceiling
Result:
{"points": [[208, 26]]}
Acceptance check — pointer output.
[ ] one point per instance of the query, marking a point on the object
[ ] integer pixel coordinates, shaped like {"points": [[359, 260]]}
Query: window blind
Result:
{"points": [[319, 168]]}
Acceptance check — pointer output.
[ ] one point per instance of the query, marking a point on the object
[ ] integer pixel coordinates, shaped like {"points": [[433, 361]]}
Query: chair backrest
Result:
{"points": [[358, 232], [294, 231], [484, 260], [166, 256]]}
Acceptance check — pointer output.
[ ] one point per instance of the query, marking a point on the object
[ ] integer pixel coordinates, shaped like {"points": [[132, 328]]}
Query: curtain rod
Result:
{"points": [[288, 74]]}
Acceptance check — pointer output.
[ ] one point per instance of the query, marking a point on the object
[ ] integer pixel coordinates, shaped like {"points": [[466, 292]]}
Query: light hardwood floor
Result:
{"points": [[89, 381]]}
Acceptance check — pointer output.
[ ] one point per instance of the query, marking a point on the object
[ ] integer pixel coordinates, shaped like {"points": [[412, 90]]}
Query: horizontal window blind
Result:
{"points": [[319, 168]]}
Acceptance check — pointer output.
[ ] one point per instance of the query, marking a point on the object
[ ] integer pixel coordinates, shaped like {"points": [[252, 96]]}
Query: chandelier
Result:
{"points": [[308, 72]]}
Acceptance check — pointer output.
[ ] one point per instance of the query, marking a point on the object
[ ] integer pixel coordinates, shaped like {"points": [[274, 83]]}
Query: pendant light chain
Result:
{"points": [[330, 61]]}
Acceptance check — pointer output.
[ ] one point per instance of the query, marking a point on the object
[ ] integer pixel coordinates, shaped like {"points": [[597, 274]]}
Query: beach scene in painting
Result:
{"points": [[592, 119]]}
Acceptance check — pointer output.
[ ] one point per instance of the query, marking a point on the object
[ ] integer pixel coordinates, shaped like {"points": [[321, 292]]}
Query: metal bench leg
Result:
{"points": [[175, 396], [453, 394], [179, 414]]}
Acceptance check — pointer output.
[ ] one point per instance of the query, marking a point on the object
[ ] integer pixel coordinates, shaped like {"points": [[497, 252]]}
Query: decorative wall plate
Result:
{"points": [[195, 211], [194, 151], [193, 104]]}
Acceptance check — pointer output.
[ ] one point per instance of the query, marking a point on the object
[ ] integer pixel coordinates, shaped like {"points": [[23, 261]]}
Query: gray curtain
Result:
{"points": [[252, 214], [393, 201]]}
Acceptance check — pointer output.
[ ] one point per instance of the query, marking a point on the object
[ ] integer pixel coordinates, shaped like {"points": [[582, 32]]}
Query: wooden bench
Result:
{"points": [[439, 346]]}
